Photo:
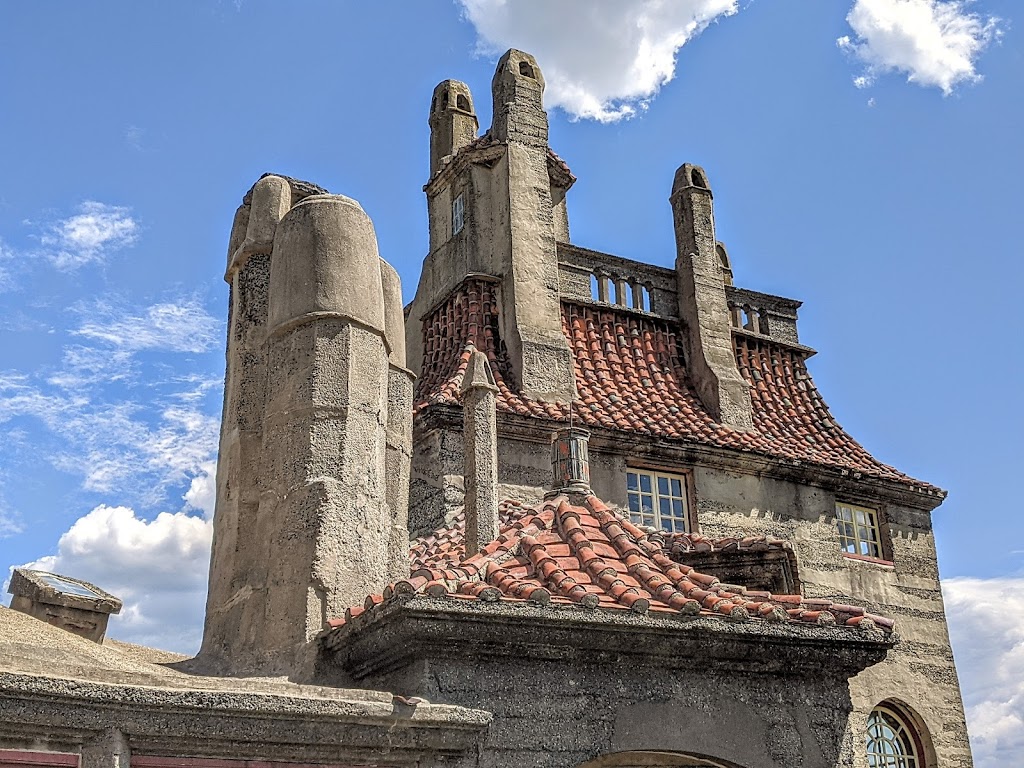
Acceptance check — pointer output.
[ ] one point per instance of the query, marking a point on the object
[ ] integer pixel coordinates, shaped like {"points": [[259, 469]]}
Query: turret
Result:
{"points": [[453, 122], [313, 477], [702, 271], [497, 209]]}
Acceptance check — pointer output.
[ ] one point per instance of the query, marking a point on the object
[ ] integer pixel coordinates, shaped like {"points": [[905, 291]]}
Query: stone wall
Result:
{"points": [[740, 501]]}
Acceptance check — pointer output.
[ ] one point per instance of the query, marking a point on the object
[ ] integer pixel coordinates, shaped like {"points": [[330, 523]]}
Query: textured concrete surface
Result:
{"points": [[567, 684], [703, 308], [62, 692], [481, 454]]}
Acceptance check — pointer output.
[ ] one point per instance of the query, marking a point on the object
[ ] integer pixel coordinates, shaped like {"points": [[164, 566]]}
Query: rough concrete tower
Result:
{"points": [[453, 122], [497, 208], [330, 426], [703, 308]]}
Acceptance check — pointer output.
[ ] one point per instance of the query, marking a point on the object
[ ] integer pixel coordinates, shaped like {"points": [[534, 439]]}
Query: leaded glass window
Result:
{"points": [[890, 741]]}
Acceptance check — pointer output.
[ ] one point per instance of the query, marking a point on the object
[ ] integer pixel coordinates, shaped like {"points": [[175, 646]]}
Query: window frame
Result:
{"points": [[458, 213], [881, 527], [908, 725], [685, 476]]}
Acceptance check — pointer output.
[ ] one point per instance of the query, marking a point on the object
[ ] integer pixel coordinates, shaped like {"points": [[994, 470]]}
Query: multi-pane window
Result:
{"points": [[891, 742], [858, 530], [658, 500], [458, 214]]}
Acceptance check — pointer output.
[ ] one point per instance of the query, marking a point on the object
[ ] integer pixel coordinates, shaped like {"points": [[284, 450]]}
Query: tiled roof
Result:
{"points": [[630, 377], [590, 556]]}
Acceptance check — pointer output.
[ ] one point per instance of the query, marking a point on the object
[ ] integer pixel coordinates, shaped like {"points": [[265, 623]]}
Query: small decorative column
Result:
{"points": [[480, 433], [570, 461]]}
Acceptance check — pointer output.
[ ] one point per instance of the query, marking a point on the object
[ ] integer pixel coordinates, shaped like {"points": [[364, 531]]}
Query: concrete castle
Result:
{"points": [[566, 509]]}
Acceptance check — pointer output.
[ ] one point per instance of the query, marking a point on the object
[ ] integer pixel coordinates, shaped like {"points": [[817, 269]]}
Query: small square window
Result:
{"points": [[458, 215], [657, 500], [859, 532]]}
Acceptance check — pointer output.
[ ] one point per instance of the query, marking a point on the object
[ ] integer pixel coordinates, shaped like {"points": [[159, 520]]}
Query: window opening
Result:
{"points": [[658, 500], [858, 530], [891, 742], [594, 288], [526, 70], [462, 102], [458, 215]]}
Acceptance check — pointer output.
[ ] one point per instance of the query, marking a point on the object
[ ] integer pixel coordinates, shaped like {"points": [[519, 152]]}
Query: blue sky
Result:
{"points": [[865, 156]]}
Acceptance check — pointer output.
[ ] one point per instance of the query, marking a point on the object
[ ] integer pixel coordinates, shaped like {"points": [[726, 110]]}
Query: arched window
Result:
{"points": [[892, 741], [462, 102]]}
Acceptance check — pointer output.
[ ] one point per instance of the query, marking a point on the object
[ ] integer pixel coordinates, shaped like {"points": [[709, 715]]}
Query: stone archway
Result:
{"points": [[657, 760]]}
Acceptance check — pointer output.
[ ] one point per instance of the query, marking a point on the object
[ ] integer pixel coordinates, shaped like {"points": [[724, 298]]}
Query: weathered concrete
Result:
{"points": [[481, 454], [399, 424], [329, 474], [703, 309], [510, 232], [453, 122], [71, 604], [567, 684]]}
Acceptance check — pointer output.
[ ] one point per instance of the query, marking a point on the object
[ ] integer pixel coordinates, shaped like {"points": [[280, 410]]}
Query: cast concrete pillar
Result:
{"points": [[452, 121], [399, 424], [236, 552], [323, 509], [109, 750], [531, 309], [480, 436], [711, 361]]}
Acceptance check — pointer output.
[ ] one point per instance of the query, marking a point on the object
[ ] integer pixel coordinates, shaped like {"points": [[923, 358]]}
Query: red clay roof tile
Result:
{"points": [[630, 377], [590, 555]]}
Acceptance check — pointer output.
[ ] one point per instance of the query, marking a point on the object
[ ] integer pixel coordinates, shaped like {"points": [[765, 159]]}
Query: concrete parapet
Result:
{"points": [[703, 308]]}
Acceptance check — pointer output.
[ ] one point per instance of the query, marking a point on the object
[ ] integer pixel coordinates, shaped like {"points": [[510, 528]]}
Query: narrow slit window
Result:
{"points": [[458, 215]]}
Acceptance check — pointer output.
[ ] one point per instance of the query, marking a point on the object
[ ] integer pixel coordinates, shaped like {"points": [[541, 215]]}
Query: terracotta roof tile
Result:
{"points": [[591, 556], [630, 377]]}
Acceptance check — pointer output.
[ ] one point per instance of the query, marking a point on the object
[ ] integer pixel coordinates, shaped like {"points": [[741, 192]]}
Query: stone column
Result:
{"points": [[399, 424], [323, 510], [710, 359], [480, 435], [531, 309]]}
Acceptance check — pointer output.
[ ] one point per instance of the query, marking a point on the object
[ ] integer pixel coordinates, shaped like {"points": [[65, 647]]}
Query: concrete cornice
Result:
{"points": [[416, 628]]}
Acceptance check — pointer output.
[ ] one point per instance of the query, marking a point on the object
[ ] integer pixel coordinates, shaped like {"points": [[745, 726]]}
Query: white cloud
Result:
{"points": [[934, 42], [987, 632], [98, 427], [602, 59], [89, 235], [202, 491], [158, 568], [177, 326]]}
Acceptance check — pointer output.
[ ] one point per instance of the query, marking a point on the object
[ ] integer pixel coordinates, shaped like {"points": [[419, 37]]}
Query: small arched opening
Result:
{"points": [[462, 102], [697, 179], [526, 70], [896, 737]]}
